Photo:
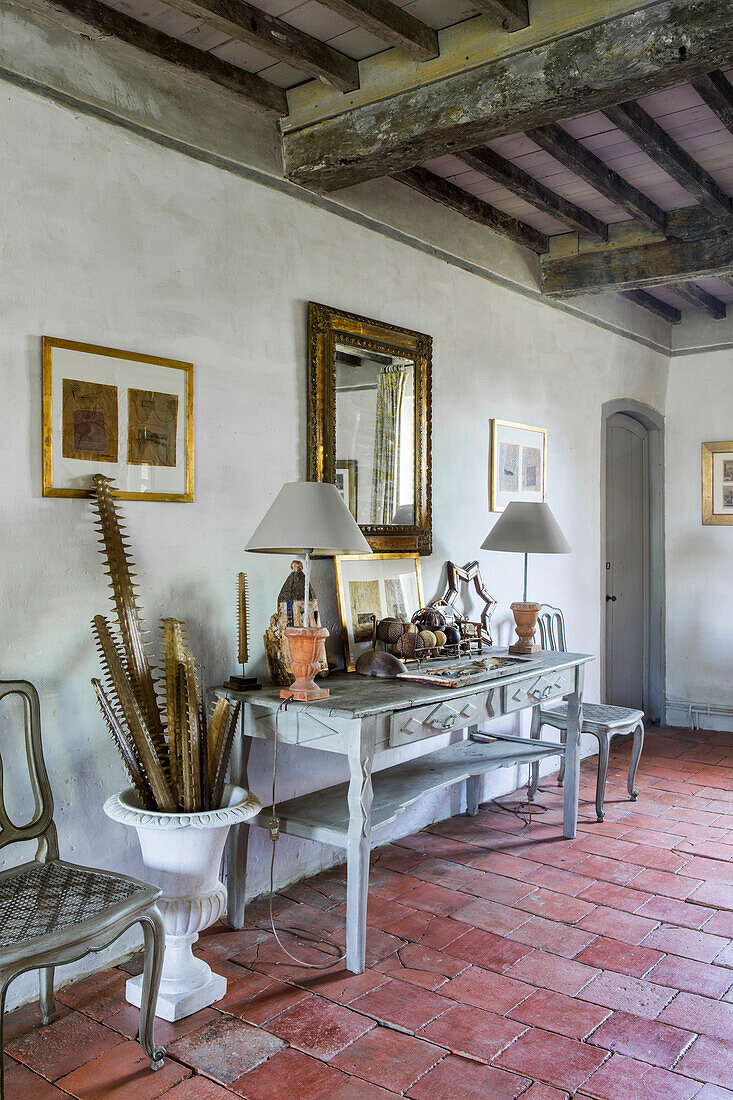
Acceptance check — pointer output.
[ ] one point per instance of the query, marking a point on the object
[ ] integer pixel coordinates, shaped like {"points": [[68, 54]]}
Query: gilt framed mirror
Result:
{"points": [[369, 395]]}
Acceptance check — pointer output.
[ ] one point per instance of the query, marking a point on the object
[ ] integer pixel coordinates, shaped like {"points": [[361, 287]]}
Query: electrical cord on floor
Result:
{"points": [[525, 810], [274, 830]]}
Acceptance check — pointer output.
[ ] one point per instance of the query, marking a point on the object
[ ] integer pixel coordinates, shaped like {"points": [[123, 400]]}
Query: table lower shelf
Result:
{"points": [[324, 815]]}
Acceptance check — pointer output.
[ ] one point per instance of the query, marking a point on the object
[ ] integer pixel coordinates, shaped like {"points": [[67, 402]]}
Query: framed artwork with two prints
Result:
{"points": [[518, 469], [717, 483], [118, 413]]}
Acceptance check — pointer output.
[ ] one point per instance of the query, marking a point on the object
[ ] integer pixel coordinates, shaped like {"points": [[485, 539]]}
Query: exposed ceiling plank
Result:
{"points": [[700, 299], [390, 23], [617, 59], [512, 15], [653, 140], [639, 267], [519, 182], [654, 305], [443, 191], [574, 155], [100, 20], [276, 38], [717, 92]]}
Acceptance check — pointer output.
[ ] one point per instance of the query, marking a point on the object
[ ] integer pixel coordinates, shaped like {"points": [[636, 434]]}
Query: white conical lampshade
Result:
{"points": [[308, 515], [527, 527]]}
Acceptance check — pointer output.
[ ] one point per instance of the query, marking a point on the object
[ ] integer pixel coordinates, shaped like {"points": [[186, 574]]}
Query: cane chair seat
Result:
{"points": [[596, 716], [40, 899]]}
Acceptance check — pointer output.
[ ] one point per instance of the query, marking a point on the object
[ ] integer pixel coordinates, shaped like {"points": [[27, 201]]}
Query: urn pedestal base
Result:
{"points": [[306, 649], [172, 1004]]}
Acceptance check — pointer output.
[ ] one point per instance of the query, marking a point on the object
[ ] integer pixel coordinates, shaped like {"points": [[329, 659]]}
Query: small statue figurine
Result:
{"points": [[290, 609]]}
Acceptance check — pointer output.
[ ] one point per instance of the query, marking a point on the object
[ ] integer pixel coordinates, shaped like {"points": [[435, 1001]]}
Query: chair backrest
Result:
{"points": [[41, 826], [552, 628]]}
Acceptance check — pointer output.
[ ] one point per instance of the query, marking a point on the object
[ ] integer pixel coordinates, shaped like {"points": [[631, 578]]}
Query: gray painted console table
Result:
{"points": [[376, 725]]}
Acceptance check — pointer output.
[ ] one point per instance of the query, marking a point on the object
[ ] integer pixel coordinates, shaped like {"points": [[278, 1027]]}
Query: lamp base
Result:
{"points": [[306, 646], [525, 619]]}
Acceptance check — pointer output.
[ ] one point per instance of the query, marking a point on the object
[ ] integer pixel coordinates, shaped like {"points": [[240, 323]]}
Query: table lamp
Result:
{"points": [[526, 527], [308, 518]]}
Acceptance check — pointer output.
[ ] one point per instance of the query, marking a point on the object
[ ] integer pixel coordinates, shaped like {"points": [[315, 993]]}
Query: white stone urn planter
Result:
{"points": [[182, 854]]}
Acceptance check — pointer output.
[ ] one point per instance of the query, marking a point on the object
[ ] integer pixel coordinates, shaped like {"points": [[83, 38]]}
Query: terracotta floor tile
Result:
{"points": [[625, 898], [487, 950], [670, 886], [402, 1004], [672, 911], [340, 985], [443, 872], [122, 1073], [713, 1092], [485, 989], [554, 1059], [491, 916], [553, 972], [62, 1046], [381, 912], [226, 1048], [622, 958], [646, 1040], [563, 882], [471, 1031], [198, 1088], [276, 1079], [720, 923], [607, 870], [634, 995], [388, 1058], [629, 927], [694, 977], [22, 1084], [429, 930], [460, 1079], [127, 1022], [538, 1091], [98, 996], [389, 884], [421, 966], [498, 888], [701, 1014], [555, 906], [713, 893], [26, 1018], [553, 936], [354, 1089], [504, 863], [556, 1012], [258, 998], [625, 1079], [686, 942], [320, 1027]]}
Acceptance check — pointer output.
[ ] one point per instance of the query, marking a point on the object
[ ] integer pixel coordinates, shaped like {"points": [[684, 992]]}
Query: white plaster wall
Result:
{"points": [[699, 578], [110, 239]]}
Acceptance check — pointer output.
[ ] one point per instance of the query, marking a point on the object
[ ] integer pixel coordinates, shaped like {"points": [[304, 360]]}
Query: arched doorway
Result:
{"points": [[632, 589]]}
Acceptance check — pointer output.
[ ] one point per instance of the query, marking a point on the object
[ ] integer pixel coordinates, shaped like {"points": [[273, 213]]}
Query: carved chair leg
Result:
{"points": [[46, 1001], [604, 744], [153, 933], [635, 758], [534, 768], [561, 773]]}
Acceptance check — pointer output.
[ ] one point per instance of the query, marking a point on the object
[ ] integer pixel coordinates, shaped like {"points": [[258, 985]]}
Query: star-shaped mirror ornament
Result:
{"points": [[456, 576]]}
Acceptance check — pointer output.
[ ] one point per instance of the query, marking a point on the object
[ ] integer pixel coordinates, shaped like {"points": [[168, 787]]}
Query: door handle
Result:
{"points": [[610, 599]]}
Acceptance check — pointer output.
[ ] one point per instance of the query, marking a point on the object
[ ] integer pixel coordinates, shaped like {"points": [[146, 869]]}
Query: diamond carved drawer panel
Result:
{"points": [[407, 726], [538, 689]]}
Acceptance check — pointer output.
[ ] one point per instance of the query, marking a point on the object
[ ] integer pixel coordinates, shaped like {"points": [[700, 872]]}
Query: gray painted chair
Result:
{"points": [[53, 912], [604, 722]]}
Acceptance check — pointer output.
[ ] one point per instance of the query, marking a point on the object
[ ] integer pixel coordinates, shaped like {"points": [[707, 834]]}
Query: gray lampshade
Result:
{"points": [[308, 515], [527, 527]]}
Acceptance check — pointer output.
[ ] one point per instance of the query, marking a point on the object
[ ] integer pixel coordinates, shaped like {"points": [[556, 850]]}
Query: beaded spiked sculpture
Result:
{"points": [[175, 753]]}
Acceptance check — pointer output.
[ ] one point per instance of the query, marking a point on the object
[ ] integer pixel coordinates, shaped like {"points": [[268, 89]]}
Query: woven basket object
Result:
{"points": [[409, 645], [429, 618], [390, 631]]}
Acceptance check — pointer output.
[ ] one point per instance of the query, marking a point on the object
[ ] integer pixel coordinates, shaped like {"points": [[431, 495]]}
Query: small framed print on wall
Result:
{"points": [[518, 469], [370, 587], [118, 413], [717, 483]]}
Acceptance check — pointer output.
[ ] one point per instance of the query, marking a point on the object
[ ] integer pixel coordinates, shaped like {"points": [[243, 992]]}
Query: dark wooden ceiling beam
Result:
{"points": [[515, 179], [512, 15], [443, 191], [717, 92], [95, 19], [695, 296], [617, 59], [390, 23], [573, 155], [275, 38], [653, 305], [639, 267], [653, 140]]}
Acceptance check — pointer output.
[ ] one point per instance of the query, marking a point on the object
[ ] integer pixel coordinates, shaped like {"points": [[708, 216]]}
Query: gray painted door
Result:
{"points": [[627, 550]]}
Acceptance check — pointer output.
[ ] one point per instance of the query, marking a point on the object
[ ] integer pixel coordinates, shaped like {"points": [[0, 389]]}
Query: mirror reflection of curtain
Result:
{"points": [[385, 480]]}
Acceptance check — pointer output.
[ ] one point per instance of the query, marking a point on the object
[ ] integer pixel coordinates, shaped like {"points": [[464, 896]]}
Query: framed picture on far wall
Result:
{"points": [[518, 463], [346, 482], [717, 483], [117, 413], [371, 587]]}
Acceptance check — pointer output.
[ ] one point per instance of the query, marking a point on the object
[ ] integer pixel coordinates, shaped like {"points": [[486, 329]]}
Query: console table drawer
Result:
{"points": [[538, 689], [407, 726]]}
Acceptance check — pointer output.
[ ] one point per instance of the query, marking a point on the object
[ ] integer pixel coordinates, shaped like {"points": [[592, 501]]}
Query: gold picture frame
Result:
{"points": [[126, 415], [524, 446], [367, 584], [717, 480]]}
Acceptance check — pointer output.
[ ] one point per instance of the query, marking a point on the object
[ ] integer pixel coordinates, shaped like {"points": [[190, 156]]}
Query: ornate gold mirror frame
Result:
{"points": [[328, 327]]}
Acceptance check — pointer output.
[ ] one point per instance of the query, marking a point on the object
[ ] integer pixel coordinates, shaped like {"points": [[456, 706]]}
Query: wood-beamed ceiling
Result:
{"points": [[604, 146]]}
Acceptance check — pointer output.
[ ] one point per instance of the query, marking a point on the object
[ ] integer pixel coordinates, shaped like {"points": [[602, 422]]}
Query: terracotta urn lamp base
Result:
{"points": [[525, 619], [306, 644]]}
